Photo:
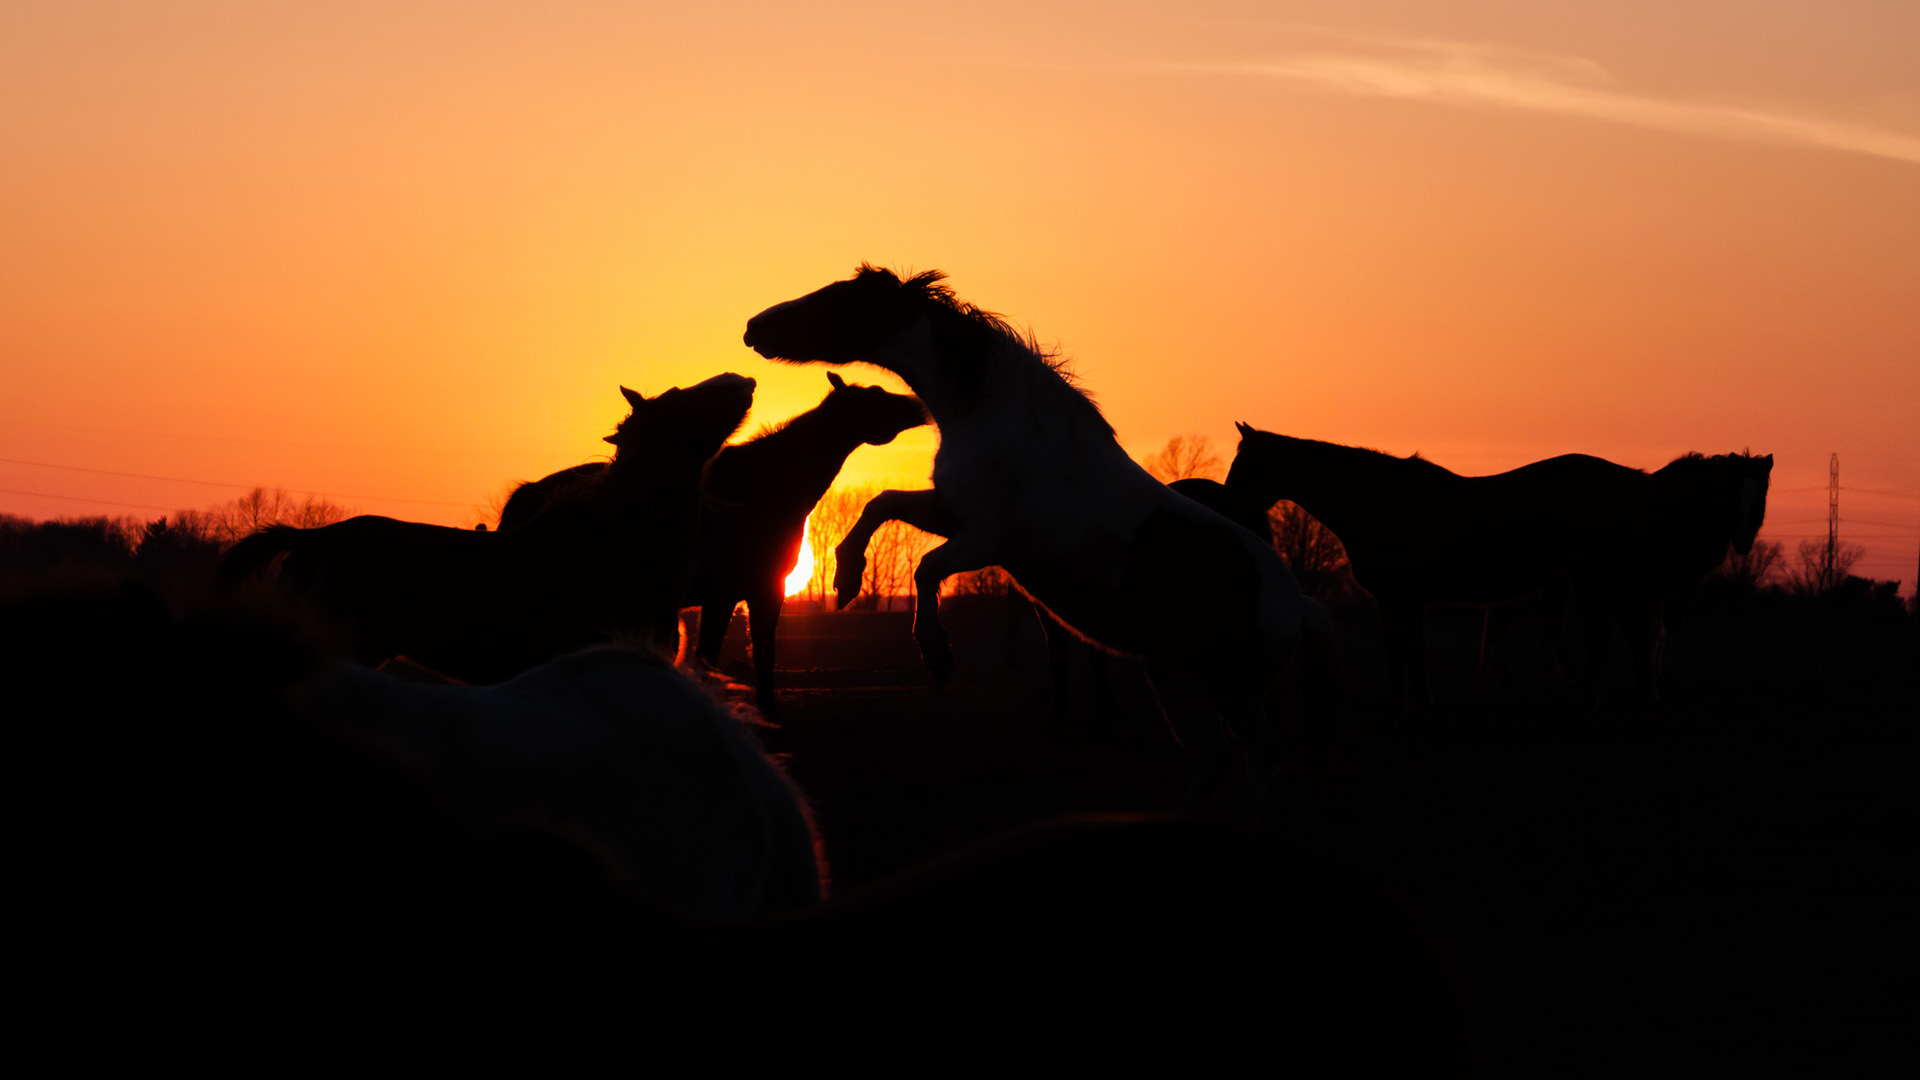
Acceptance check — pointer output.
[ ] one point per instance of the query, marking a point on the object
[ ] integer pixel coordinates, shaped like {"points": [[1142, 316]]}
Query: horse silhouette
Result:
{"points": [[1704, 505], [236, 805], [1419, 534], [1209, 493], [759, 494], [665, 786], [484, 606], [1030, 477]]}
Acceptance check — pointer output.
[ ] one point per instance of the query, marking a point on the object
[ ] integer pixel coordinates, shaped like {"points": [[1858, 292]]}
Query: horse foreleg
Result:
{"points": [[1591, 593], [763, 624], [920, 509], [956, 556], [1553, 619], [1404, 623], [1201, 732], [715, 615], [1496, 624], [1059, 661]]}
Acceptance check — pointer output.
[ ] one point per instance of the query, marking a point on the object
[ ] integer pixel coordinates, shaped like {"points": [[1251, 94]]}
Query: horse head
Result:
{"points": [[683, 426], [1751, 475], [869, 413], [842, 322]]}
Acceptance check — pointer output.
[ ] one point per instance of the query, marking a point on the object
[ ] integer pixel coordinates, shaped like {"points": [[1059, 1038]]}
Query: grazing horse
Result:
{"points": [[1419, 534], [1029, 477], [758, 496], [484, 606]]}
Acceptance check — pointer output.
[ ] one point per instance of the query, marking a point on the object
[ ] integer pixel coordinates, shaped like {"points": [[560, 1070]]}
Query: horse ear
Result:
{"points": [[1244, 429], [613, 438], [1769, 463], [633, 399], [838, 382]]}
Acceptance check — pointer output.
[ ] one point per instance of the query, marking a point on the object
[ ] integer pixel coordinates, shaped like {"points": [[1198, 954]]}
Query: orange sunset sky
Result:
{"points": [[402, 253]]}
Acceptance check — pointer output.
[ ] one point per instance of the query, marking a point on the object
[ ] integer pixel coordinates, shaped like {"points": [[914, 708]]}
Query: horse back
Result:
{"points": [[1485, 539]]}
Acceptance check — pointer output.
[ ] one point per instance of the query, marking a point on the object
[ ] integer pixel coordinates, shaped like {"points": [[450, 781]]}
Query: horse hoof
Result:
{"points": [[939, 661]]}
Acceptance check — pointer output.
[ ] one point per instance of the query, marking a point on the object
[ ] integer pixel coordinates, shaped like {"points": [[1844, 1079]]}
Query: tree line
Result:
{"points": [[183, 546]]}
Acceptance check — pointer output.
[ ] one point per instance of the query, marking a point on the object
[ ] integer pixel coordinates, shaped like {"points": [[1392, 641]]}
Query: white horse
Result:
{"points": [[614, 749], [1030, 477]]}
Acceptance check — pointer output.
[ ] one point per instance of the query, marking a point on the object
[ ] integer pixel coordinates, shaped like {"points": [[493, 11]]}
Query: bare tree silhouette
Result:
{"points": [[988, 581], [247, 514], [1184, 457], [1312, 552], [1820, 571], [892, 554], [1757, 568]]}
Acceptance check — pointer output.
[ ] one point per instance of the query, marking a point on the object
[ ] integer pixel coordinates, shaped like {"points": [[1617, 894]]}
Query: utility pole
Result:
{"points": [[1827, 568]]}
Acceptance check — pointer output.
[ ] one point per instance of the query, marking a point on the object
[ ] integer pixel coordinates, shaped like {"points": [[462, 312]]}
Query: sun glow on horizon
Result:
{"points": [[802, 570]]}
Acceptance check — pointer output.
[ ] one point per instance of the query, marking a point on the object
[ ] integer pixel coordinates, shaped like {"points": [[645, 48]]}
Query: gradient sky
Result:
{"points": [[403, 253]]}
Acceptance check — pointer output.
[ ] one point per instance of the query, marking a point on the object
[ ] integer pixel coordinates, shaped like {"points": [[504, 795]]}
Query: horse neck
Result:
{"points": [[799, 461], [641, 470], [929, 356], [1309, 474]]}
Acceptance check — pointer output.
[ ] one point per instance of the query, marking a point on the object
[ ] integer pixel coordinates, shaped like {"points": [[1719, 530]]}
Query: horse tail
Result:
{"points": [[529, 497], [251, 557]]}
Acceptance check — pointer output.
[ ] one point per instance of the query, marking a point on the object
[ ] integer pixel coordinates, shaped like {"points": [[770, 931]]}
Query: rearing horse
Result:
{"points": [[1030, 477]]}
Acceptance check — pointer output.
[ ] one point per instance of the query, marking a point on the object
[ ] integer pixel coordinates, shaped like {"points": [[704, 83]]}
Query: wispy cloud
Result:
{"points": [[1474, 76]]}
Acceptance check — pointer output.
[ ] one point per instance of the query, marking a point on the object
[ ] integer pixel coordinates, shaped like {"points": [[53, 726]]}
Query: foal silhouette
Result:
{"points": [[484, 606], [759, 494]]}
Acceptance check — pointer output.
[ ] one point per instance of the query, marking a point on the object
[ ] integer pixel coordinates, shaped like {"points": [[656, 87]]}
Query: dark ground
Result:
{"points": [[1718, 887]]}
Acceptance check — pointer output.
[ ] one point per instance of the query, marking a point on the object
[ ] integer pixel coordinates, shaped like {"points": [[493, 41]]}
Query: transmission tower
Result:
{"points": [[1833, 519]]}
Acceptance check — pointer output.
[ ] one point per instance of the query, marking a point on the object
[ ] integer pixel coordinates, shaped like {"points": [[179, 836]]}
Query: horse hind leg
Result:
{"points": [[956, 556], [763, 625], [1188, 704]]}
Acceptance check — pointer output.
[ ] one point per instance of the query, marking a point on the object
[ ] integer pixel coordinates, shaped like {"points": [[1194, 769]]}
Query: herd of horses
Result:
{"points": [[512, 713]]}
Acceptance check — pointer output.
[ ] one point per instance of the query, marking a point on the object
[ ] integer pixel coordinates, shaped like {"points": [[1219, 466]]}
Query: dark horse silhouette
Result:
{"points": [[217, 795], [1029, 477], [759, 494], [1419, 534], [1209, 493], [1704, 505], [484, 606]]}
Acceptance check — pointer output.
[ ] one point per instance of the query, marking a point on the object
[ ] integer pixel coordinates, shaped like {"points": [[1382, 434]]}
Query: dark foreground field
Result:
{"points": [[1721, 887]]}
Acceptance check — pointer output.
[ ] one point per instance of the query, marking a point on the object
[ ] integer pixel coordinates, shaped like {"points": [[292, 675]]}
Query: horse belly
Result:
{"points": [[1183, 590]]}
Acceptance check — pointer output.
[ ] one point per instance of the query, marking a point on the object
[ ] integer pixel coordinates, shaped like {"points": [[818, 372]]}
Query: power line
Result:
{"points": [[215, 483], [1844, 487], [97, 502]]}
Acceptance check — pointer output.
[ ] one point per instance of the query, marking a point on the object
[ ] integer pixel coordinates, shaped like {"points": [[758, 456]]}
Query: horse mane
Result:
{"points": [[1693, 465], [995, 336], [1411, 461]]}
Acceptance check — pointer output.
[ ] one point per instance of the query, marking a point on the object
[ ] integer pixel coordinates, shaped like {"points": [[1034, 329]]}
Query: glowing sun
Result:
{"points": [[802, 570]]}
